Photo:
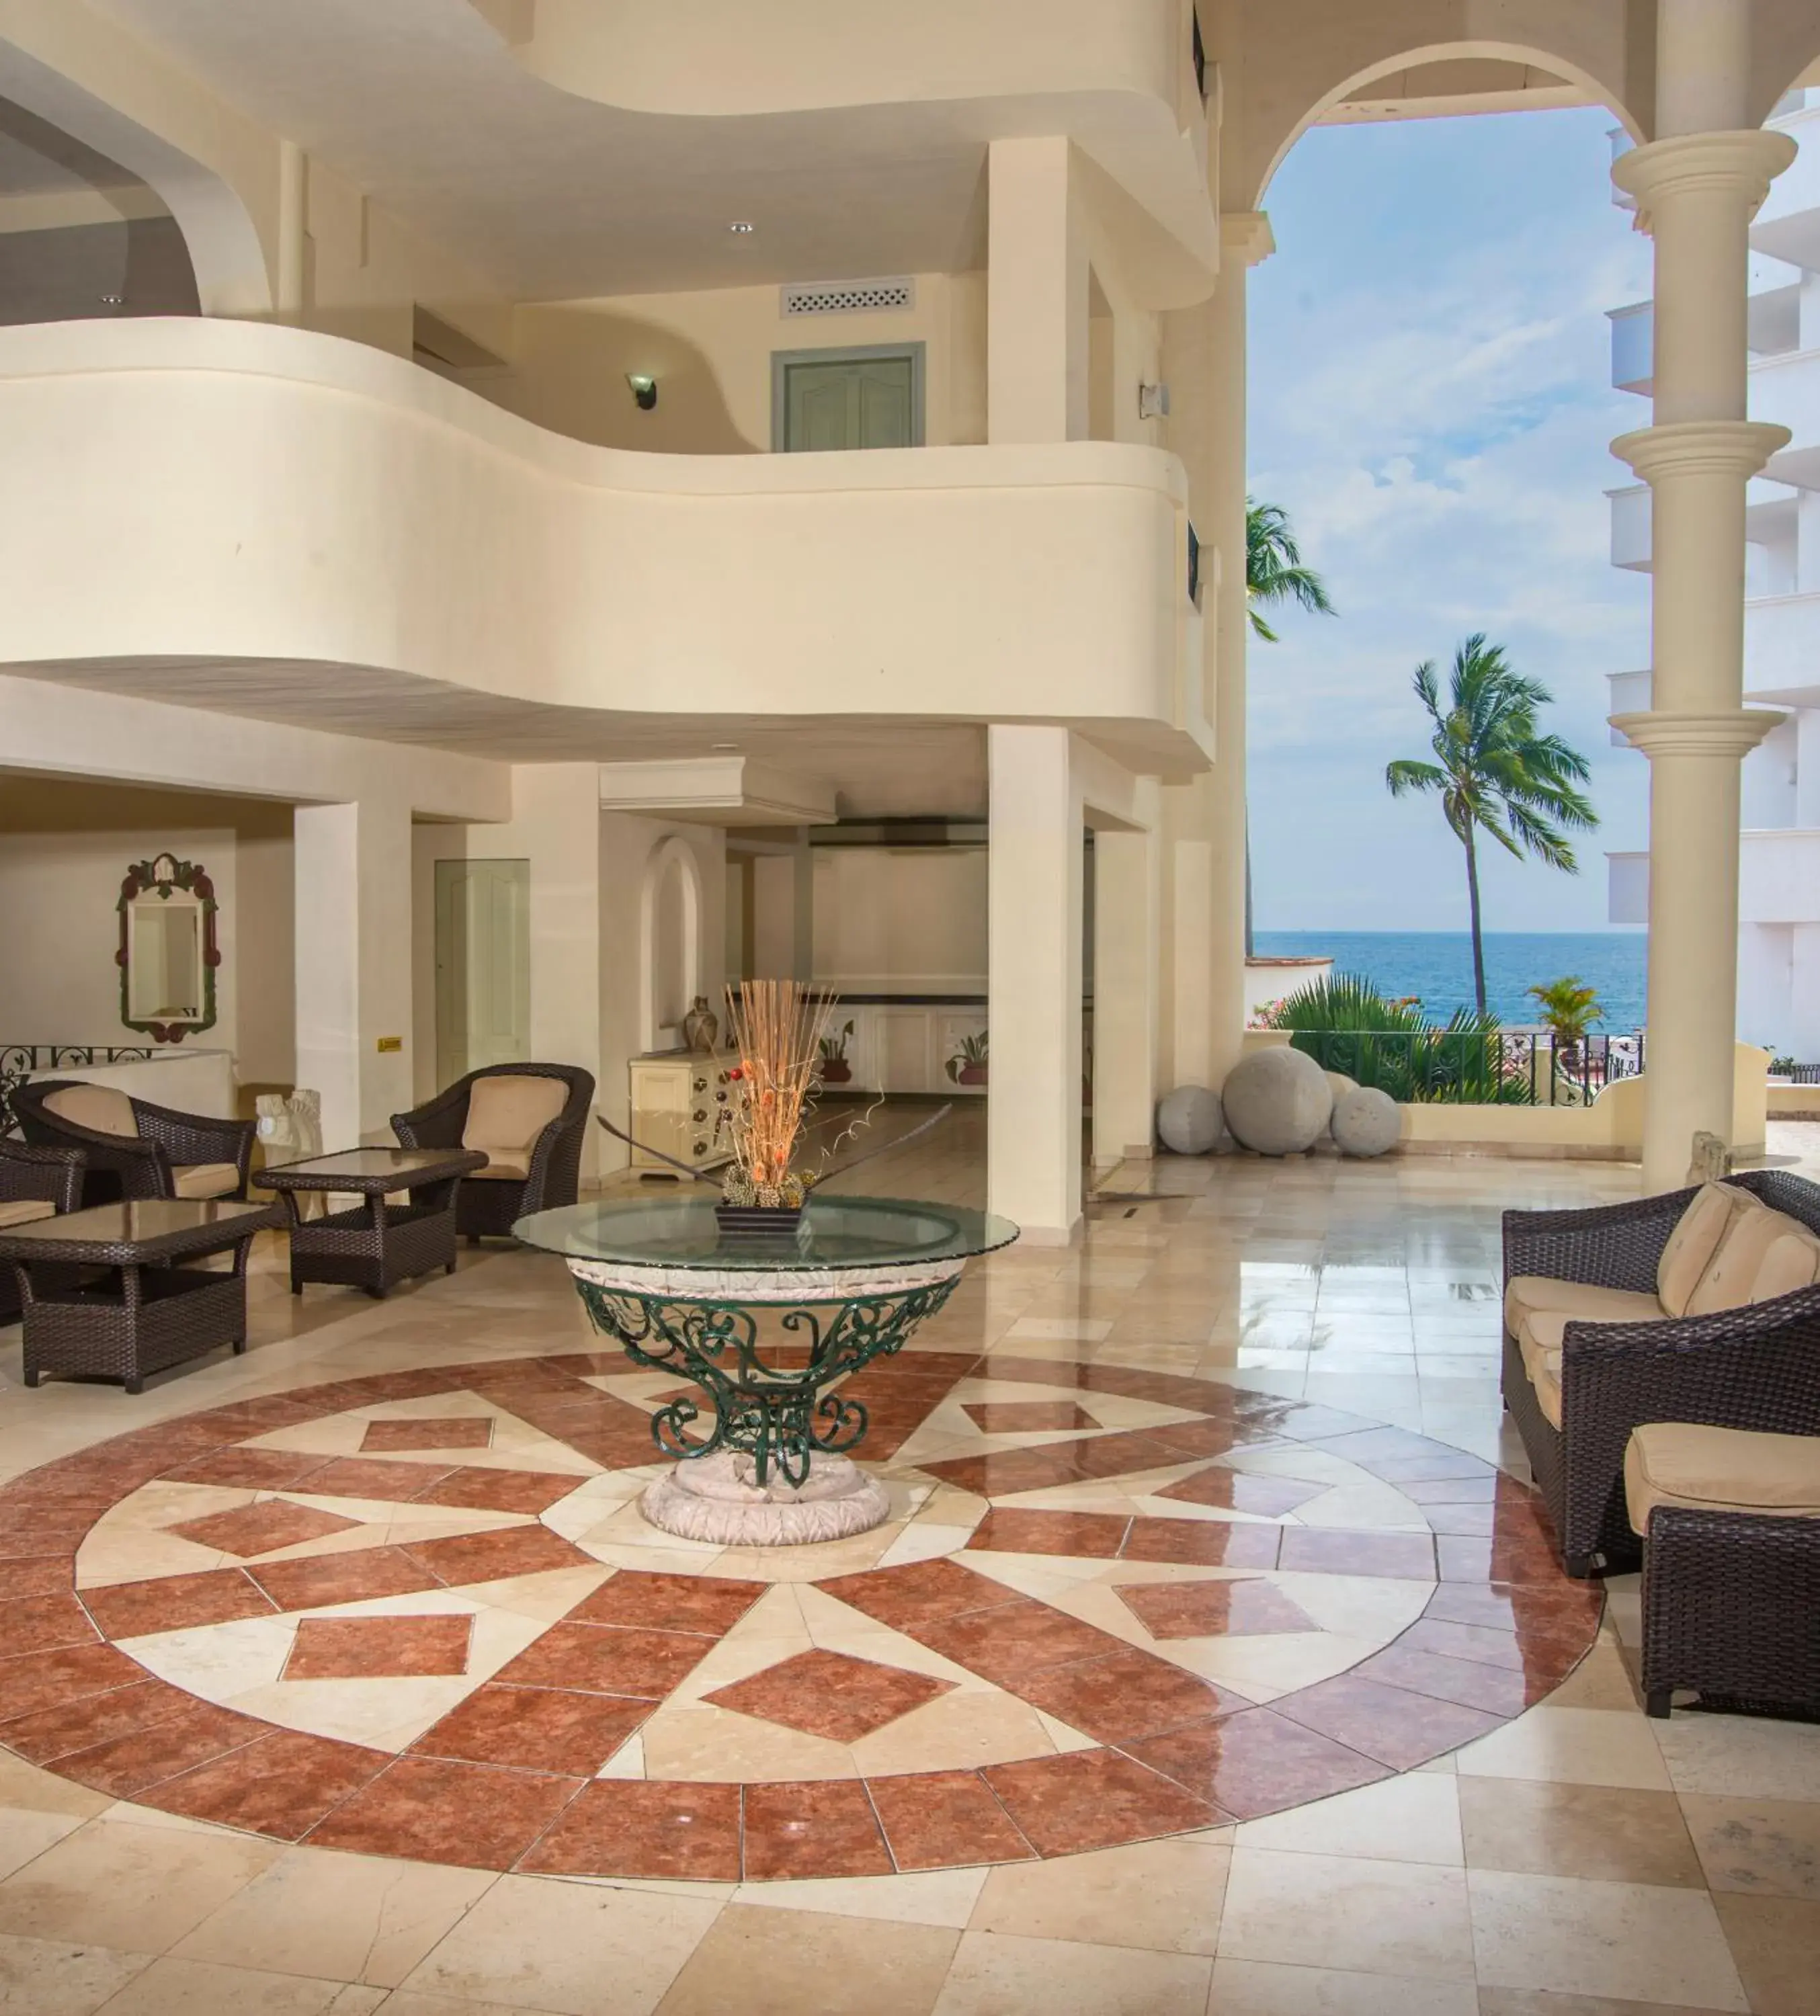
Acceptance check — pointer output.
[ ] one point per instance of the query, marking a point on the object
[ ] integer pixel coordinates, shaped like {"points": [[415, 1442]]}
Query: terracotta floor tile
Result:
{"points": [[822, 1827], [1257, 1763], [708, 1604], [39, 1680], [1205, 1542], [426, 1810], [283, 1785], [1214, 1609], [315, 1581], [1094, 1798], [42, 1623], [1106, 1456], [513, 1550], [362, 1477], [261, 1527], [945, 1819], [1007, 1471], [1008, 1530], [252, 1469], [1233, 1491], [455, 1431], [127, 1765], [535, 1729], [829, 1694], [175, 1603], [924, 1593], [1125, 1697], [1476, 1490], [347, 1648], [1207, 1438], [1470, 1683], [500, 1490], [92, 1719], [1398, 1728], [1323, 1551], [1564, 1609], [1018, 1417], [607, 1659], [1504, 1557], [36, 1575], [1013, 1640], [661, 1831]]}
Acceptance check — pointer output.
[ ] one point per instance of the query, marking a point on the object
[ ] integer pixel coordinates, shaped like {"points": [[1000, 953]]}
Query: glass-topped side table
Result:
{"points": [[764, 1328]]}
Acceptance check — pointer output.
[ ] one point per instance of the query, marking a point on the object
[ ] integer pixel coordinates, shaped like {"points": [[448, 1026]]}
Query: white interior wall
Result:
{"points": [[901, 920]]}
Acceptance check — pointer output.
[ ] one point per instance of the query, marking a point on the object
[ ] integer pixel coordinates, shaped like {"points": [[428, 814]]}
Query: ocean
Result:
{"points": [[1437, 967]]}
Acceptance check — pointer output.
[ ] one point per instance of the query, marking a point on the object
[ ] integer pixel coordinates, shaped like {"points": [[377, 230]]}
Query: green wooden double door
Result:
{"points": [[870, 397]]}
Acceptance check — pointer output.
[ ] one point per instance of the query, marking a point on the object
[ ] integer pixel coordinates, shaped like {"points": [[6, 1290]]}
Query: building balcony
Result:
{"points": [[1769, 521], [1773, 329], [1779, 879], [1788, 226], [1627, 888], [305, 529], [1627, 693], [1782, 650]]}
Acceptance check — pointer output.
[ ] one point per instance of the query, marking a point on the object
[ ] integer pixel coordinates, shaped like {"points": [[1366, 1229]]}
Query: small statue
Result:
{"points": [[1712, 1160], [701, 1026]]}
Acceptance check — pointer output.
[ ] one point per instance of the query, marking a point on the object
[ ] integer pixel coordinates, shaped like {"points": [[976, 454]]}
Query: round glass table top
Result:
{"points": [[833, 1232]]}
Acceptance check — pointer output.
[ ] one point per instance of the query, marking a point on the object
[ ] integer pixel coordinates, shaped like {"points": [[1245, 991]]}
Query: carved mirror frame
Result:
{"points": [[161, 875]]}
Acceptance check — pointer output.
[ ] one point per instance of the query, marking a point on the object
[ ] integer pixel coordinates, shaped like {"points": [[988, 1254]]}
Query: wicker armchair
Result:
{"points": [[34, 1182], [490, 1204], [167, 1154], [1756, 1366]]}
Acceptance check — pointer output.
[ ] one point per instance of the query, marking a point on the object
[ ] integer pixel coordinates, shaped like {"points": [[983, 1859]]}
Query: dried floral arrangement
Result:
{"points": [[778, 1027]]}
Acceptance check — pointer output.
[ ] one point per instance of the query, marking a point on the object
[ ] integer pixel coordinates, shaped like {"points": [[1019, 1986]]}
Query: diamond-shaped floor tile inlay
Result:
{"points": [[827, 1693], [1018, 1417], [1214, 1609], [374, 1648], [457, 1432], [262, 1527], [1233, 1491]]}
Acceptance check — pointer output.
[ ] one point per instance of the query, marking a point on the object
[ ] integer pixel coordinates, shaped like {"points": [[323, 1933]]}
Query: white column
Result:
{"points": [[1036, 296], [353, 865], [292, 231], [1126, 906], [1033, 986], [1696, 193]]}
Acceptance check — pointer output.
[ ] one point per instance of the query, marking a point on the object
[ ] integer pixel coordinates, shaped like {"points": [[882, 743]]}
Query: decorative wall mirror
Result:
{"points": [[167, 954]]}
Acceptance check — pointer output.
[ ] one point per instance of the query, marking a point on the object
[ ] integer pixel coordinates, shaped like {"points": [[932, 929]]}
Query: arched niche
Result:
{"points": [[670, 912]]}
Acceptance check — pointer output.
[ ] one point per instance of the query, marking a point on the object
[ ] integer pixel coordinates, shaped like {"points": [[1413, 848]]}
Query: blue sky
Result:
{"points": [[1430, 397]]}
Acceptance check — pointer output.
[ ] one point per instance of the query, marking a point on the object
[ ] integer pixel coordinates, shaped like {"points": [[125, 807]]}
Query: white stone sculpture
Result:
{"points": [[1276, 1101], [1339, 1085], [1188, 1120], [1366, 1122], [290, 1130]]}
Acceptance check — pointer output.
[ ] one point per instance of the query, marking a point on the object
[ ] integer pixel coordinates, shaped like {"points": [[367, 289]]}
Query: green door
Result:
{"points": [[848, 399]]}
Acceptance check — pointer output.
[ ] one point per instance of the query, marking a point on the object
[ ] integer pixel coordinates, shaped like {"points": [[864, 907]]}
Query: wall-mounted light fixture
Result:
{"points": [[1153, 403], [644, 389]]}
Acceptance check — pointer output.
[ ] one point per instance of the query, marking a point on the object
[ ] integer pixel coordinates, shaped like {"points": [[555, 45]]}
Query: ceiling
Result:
{"points": [[31, 802], [39, 159]]}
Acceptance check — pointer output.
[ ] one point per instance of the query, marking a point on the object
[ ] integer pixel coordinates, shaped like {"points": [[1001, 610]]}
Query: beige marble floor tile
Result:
{"points": [[1412, 1819], [1775, 1943], [1538, 2002], [1261, 1988], [1602, 1679], [1765, 1848], [959, 1732], [930, 1897], [711, 1743], [193, 1988], [49, 1977], [346, 1918], [138, 1888], [24, 1788], [1740, 1757], [405, 2002], [26, 1834], [1601, 1832], [774, 1963], [574, 1949], [1582, 1746], [1355, 1914], [1165, 1896], [1643, 1941], [996, 1973]]}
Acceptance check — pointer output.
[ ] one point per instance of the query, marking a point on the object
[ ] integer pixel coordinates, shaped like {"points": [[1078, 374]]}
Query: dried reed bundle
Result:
{"points": [[776, 1025]]}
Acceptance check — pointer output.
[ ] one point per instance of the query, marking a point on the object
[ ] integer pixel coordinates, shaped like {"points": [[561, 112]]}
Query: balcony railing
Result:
{"points": [[1475, 1067], [18, 1061]]}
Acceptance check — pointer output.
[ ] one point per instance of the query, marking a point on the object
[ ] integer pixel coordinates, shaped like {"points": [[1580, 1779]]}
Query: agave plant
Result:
{"points": [[1346, 1025]]}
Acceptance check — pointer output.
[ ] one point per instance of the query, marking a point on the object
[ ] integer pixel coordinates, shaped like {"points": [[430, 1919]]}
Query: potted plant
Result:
{"points": [[1567, 1009], [834, 1066], [967, 1066]]}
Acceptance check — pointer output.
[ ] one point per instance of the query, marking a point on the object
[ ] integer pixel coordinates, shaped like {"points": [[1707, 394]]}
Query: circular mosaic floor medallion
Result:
{"points": [[422, 1614]]}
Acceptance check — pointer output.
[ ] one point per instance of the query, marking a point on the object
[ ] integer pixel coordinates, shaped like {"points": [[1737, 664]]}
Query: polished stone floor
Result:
{"points": [[1209, 1661]]}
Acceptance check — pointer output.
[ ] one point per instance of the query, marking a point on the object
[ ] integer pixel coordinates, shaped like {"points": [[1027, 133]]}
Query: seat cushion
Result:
{"points": [[1530, 1293], [506, 1113], [1790, 1263], [22, 1211], [1692, 1244], [206, 1180], [1542, 1362], [101, 1108], [502, 1169], [1721, 1470], [1731, 1274]]}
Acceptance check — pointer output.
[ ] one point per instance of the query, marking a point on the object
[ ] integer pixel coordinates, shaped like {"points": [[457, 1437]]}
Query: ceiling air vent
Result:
{"points": [[816, 298]]}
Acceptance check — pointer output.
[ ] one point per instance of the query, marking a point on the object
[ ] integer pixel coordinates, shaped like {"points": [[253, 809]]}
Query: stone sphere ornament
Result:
{"points": [[1188, 1120], [1339, 1085], [1366, 1122], [1276, 1101]]}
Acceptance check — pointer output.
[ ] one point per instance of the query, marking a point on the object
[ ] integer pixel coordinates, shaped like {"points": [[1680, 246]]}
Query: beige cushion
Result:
{"points": [[1792, 1262], [22, 1211], [1731, 1274], [499, 1171], [1530, 1293], [206, 1180], [505, 1116], [100, 1107], [1721, 1470], [1542, 1362], [1692, 1244]]}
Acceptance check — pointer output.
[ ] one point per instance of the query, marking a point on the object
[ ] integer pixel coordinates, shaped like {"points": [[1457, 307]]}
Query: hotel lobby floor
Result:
{"points": [[1212, 1659]]}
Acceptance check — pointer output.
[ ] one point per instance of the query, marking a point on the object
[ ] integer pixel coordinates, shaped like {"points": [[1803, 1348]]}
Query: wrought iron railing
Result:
{"points": [[1475, 1067], [19, 1060]]}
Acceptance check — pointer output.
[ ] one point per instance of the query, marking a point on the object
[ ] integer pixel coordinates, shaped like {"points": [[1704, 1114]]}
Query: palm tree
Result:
{"points": [[1495, 774]]}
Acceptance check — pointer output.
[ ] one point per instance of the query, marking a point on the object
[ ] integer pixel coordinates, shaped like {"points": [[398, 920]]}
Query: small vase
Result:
{"points": [[701, 1026]]}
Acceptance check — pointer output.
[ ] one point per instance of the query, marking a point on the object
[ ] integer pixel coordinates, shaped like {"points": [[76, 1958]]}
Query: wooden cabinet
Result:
{"points": [[905, 1046], [676, 1097]]}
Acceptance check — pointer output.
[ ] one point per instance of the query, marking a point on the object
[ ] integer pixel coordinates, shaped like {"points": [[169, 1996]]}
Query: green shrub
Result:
{"points": [[1346, 1025]]}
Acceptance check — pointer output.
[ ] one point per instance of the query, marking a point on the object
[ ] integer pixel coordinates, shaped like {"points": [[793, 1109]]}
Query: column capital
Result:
{"points": [[1701, 448], [1744, 162], [1246, 235], [1734, 733]]}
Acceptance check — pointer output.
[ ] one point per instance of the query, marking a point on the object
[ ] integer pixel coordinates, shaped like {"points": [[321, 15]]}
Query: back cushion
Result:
{"points": [[1729, 1282], [1792, 1261], [1692, 1244], [101, 1107], [509, 1112]]}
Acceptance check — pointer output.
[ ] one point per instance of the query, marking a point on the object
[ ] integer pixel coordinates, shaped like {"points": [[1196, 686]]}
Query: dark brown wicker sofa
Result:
{"points": [[529, 1119], [34, 1183], [132, 1148], [1593, 1347]]}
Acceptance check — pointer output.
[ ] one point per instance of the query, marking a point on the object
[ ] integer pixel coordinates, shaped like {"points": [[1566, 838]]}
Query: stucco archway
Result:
{"points": [[669, 938]]}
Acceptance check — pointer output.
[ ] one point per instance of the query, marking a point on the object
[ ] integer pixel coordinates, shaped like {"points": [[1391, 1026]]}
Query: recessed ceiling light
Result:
{"points": [[113, 301], [742, 229], [724, 748]]}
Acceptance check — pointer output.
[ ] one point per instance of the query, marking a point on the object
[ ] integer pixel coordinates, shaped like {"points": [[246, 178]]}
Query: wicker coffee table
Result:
{"points": [[105, 1294], [373, 1244]]}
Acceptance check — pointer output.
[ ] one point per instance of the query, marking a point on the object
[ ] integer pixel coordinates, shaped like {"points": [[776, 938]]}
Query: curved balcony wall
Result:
{"points": [[237, 491]]}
